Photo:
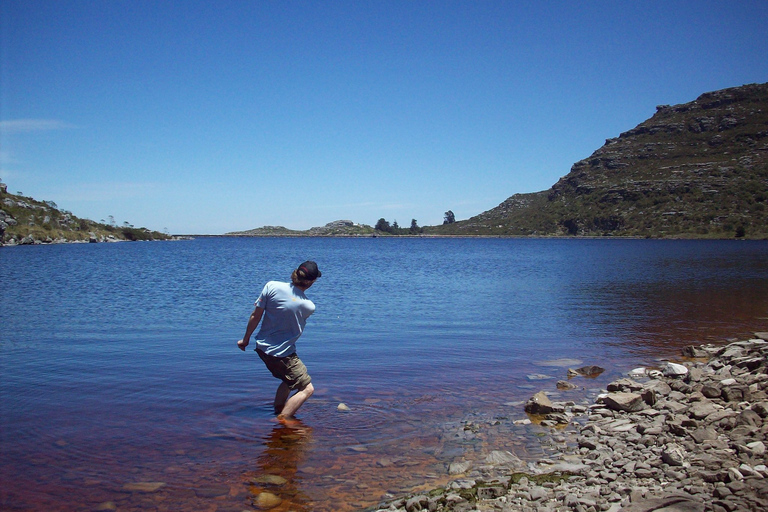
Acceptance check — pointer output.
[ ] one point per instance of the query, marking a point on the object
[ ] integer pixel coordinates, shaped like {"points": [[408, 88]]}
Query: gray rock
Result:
{"points": [[675, 370], [491, 492], [503, 457], [711, 391], [586, 371], [694, 351], [539, 404], [702, 409], [416, 503], [704, 434], [673, 455], [624, 385], [658, 386], [735, 393], [538, 493], [628, 402], [750, 418], [457, 468]]}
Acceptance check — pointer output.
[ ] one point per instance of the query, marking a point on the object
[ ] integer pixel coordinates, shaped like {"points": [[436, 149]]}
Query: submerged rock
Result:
{"points": [[143, 486], [266, 501], [586, 371]]}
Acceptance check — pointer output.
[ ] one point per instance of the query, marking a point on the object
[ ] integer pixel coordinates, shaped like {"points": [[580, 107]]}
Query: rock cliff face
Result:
{"points": [[694, 170]]}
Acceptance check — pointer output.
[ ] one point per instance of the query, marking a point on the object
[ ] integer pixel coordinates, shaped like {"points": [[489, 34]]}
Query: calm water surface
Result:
{"points": [[122, 385]]}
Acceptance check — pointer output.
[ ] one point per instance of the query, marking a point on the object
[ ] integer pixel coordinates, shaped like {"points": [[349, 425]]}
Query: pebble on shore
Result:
{"points": [[691, 437]]}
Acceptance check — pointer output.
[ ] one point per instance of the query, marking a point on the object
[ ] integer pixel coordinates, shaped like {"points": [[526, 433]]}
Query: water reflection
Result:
{"points": [[276, 483], [645, 317]]}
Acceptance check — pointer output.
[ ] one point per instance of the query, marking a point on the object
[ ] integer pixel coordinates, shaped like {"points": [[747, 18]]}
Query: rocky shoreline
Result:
{"points": [[686, 437]]}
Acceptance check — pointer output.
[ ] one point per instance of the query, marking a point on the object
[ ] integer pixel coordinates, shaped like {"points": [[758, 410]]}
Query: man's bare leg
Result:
{"points": [[294, 402], [281, 396]]}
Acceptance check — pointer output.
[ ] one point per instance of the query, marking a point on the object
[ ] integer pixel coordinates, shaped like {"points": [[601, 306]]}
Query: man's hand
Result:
{"points": [[242, 344]]}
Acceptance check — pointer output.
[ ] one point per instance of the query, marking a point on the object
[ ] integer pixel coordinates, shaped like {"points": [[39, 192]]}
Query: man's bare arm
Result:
{"points": [[253, 322]]}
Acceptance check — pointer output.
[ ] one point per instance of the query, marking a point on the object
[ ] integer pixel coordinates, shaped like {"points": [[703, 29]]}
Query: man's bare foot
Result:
{"points": [[288, 421]]}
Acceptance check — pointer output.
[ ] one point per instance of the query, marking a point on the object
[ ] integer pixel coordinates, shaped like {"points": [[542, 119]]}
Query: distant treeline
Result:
{"points": [[414, 229]]}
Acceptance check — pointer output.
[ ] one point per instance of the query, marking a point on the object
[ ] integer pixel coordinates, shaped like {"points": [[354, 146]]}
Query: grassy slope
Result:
{"points": [[44, 222]]}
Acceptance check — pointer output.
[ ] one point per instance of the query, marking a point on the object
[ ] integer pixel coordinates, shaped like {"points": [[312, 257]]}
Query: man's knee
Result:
{"points": [[308, 390]]}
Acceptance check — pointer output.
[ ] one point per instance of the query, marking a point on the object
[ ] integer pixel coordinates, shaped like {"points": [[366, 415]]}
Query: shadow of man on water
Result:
{"points": [[275, 484]]}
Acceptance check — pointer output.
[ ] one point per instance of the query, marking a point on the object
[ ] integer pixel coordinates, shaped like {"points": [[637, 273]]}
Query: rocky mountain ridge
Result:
{"points": [[695, 170]]}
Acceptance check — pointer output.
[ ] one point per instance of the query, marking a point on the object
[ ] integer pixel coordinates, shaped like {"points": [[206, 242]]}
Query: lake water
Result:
{"points": [[122, 386]]}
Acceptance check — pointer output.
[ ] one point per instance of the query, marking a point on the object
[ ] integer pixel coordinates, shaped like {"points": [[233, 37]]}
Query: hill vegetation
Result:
{"points": [[24, 220], [335, 228], [696, 170]]}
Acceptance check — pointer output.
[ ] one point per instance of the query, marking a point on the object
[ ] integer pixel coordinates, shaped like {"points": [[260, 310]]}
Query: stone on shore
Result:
{"points": [[539, 404], [621, 401], [689, 438]]}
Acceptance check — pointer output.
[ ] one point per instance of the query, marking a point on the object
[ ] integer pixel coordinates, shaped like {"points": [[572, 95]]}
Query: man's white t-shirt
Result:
{"points": [[286, 310]]}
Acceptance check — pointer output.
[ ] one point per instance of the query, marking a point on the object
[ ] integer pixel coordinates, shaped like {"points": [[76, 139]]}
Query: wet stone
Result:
{"points": [[212, 491], [143, 486], [270, 480], [266, 501]]}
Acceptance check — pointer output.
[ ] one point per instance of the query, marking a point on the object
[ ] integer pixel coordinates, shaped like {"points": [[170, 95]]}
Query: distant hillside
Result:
{"points": [[697, 170], [26, 221], [336, 228]]}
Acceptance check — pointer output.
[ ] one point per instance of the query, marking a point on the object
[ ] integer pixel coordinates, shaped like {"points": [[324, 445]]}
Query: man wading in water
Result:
{"points": [[285, 310]]}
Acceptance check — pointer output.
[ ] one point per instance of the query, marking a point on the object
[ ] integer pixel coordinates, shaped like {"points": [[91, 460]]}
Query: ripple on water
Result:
{"points": [[358, 416]]}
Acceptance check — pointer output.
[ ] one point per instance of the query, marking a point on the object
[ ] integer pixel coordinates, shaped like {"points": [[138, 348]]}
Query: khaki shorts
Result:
{"points": [[288, 369]]}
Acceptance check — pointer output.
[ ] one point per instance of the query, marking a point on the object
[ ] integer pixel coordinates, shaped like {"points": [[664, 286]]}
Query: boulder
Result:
{"points": [[711, 391], [586, 371], [539, 404], [702, 409], [675, 370], [503, 457], [735, 393], [695, 352], [457, 468], [673, 455], [628, 402], [670, 503], [625, 385]]}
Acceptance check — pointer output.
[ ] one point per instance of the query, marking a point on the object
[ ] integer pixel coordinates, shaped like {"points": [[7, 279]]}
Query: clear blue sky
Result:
{"points": [[208, 117]]}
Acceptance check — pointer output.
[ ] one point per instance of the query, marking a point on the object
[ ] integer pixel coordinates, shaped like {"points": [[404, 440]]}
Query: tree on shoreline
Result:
{"points": [[383, 225]]}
